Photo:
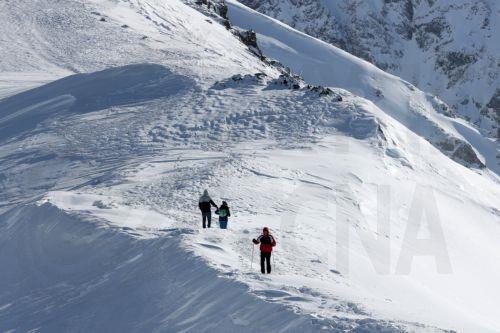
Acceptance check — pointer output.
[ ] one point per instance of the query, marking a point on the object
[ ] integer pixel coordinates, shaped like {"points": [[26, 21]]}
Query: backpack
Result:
{"points": [[222, 212]]}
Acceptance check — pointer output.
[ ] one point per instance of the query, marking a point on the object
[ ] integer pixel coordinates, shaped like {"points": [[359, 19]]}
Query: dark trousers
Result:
{"points": [[206, 217], [265, 257]]}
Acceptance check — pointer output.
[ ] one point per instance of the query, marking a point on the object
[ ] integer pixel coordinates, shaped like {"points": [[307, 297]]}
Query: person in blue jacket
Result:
{"points": [[224, 214]]}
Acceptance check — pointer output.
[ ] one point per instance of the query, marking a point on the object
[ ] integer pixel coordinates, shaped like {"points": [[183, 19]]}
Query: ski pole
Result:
{"points": [[274, 265], [251, 262]]}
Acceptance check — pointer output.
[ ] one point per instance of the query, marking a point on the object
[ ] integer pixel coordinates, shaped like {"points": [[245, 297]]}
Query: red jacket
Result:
{"points": [[266, 243]]}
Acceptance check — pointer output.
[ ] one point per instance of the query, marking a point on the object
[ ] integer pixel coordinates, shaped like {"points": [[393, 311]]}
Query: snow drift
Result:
{"points": [[83, 93], [63, 268]]}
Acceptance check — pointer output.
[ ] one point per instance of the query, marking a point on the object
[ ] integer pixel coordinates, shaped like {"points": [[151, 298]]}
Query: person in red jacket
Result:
{"points": [[267, 242]]}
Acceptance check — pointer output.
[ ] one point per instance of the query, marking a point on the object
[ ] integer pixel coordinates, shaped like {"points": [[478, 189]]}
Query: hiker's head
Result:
{"points": [[224, 203], [205, 192], [265, 231]]}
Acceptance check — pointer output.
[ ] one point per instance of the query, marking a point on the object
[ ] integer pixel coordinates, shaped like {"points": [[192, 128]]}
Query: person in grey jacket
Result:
{"points": [[205, 204]]}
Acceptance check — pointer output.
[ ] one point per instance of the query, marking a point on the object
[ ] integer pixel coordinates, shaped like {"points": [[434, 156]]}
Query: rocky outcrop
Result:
{"points": [[284, 81], [249, 38], [460, 151], [454, 64], [492, 110]]}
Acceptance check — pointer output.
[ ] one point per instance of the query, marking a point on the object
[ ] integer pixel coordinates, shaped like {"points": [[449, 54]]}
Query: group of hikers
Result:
{"points": [[266, 240], [205, 204]]}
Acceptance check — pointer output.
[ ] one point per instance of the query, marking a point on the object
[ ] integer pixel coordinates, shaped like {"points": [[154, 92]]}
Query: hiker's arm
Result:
{"points": [[228, 213], [213, 204], [256, 241]]}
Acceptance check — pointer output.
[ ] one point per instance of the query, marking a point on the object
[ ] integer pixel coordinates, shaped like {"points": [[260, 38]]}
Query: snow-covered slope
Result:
{"points": [[100, 173], [321, 63], [86, 36], [444, 47], [69, 274]]}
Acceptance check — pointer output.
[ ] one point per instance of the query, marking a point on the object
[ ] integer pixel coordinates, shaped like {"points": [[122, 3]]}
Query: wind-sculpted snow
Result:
{"points": [[84, 93], [273, 109], [100, 174], [66, 273], [112, 117]]}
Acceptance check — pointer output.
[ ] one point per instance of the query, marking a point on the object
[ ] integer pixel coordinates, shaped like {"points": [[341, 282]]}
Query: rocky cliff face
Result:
{"points": [[445, 47]]}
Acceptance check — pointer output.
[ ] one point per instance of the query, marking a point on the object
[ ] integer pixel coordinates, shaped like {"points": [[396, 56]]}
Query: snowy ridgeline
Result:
{"points": [[101, 170], [326, 65], [67, 274], [445, 47]]}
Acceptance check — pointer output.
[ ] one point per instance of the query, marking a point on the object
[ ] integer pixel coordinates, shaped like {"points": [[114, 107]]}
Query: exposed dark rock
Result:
{"points": [[492, 111], [288, 81], [460, 151], [446, 145], [238, 79], [454, 64], [249, 38], [285, 81], [436, 26], [322, 91], [431, 33], [465, 153], [223, 11], [215, 9], [441, 106], [453, 60], [494, 103]]}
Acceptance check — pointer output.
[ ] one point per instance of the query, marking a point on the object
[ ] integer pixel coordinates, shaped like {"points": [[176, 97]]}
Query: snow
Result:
{"points": [[100, 90], [66, 273], [15, 82], [101, 171], [324, 64], [443, 47]]}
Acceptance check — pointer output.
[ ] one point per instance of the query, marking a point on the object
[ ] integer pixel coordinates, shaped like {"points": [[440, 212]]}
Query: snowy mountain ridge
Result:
{"points": [[444, 47], [422, 113], [115, 115]]}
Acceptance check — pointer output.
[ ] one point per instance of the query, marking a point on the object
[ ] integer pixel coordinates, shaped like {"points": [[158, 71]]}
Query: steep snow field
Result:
{"points": [[445, 47], [321, 63], [115, 115]]}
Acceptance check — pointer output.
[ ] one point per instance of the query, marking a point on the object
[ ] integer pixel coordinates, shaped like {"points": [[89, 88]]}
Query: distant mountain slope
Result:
{"points": [[446, 47], [324, 64]]}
